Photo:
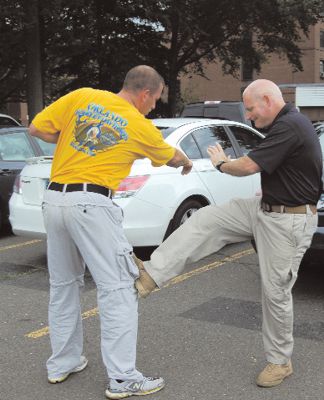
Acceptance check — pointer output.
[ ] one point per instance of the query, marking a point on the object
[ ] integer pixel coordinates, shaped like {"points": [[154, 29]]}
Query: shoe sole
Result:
{"points": [[64, 377], [123, 395], [273, 383]]}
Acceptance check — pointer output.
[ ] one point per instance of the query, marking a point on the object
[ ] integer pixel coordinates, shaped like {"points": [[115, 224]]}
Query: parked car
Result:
{"points": [[16, 145], [315, 252], [155, 201], [232, 110], [6, 120]]}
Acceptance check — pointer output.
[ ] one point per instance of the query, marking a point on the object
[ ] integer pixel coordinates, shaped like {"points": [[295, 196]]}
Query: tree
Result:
{"points": [[12, 56], [35, 96], [94, 42], [200, 32]]}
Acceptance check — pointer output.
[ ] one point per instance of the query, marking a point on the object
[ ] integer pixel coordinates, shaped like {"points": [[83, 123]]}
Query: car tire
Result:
{"points": [[186, 209]]}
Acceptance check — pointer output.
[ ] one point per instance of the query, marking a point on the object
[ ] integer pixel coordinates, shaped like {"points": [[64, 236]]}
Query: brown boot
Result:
{"points": [[144, 284], [274, 374]]}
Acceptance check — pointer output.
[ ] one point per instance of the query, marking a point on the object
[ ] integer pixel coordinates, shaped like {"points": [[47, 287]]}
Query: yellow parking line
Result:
{"points": [[180, 278], [14, 246], [45, 331], [208, 267]]}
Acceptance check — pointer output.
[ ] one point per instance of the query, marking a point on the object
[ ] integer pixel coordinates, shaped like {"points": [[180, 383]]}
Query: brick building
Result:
{"points": [[277, 69]]}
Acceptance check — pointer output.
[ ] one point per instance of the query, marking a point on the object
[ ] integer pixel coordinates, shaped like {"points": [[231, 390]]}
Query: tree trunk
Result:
{"points": [[33, 62], [173, 70]]}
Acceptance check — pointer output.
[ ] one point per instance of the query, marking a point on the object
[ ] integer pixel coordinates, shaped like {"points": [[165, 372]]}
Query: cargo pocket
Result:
{"points": [[127, 267]]}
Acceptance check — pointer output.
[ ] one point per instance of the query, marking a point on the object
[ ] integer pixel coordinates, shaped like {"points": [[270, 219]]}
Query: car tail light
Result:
{"points": [[17, 185], [129, 186]]}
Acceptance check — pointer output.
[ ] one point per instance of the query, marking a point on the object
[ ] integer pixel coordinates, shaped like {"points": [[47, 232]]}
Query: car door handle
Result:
{"points": [[207, 168]]}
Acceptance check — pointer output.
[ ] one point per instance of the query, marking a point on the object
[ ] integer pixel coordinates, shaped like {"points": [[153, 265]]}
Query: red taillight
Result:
{"points": [[129, 186]]}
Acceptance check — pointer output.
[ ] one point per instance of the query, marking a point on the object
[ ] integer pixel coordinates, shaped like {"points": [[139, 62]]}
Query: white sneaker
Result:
{"points": [[62, 378], [124, 389]]}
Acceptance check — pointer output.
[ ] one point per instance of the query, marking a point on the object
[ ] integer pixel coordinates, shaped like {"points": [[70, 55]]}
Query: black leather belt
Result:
{"points": [[288, 210], [80, 187]]}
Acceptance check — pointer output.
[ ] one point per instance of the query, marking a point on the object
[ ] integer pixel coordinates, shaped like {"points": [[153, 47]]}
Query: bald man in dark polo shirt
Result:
{"points": [[282, 222]]}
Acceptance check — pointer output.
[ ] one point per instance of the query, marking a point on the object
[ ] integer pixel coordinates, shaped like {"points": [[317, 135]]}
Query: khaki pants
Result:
{"points": [[281, 240]]}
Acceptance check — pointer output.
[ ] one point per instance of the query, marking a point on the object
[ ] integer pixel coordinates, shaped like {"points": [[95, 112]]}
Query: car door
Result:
{"points": [[245, 140], [221, 186]]}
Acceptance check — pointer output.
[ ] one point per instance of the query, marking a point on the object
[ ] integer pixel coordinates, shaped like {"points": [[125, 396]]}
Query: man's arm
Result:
{"points": [[180, 160], [47, 137], [242, 166]]}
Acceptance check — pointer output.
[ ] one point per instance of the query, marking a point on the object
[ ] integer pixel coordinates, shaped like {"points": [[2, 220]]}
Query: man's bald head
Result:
{"points": [[263, 101], [263, 87]]}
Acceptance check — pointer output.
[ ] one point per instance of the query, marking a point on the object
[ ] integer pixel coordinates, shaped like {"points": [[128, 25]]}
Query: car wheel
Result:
{"points": [[184, 212]]}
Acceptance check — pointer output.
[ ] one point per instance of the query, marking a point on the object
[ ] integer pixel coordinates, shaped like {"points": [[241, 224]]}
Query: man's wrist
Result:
{"points": [[219, 165]]}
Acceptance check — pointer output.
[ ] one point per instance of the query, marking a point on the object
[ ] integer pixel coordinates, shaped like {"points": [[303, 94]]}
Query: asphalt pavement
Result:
{"points": [[202, 332]]}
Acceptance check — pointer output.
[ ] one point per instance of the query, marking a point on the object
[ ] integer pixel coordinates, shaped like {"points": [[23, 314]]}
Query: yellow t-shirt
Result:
{"points": [[101, 135]]}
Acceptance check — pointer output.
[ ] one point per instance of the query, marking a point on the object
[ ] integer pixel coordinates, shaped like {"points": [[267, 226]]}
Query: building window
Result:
{"points": [[322, 39], [322, 69]]}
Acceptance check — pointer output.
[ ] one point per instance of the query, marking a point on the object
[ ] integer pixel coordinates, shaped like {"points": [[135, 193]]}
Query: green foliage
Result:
{"points": [[12, 56], [94, 42]]}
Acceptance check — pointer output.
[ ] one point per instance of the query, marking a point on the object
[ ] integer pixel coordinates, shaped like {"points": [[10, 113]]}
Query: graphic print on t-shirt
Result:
{"points": [[97, 129]]}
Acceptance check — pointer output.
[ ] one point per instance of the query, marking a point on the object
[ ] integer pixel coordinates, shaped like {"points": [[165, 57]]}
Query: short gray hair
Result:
{"points": [[143, 77]]}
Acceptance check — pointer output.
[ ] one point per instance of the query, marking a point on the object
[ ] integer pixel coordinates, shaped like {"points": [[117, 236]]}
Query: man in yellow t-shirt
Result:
{"points": [[99, 135]]}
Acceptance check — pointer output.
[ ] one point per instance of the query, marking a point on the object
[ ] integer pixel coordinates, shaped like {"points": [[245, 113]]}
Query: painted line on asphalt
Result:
{"points": [[208, 267], [180, 278], [14, 246]]}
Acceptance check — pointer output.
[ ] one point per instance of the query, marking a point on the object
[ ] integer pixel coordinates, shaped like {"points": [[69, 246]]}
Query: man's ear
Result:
{"points": [[267, 100], [145, 94]]}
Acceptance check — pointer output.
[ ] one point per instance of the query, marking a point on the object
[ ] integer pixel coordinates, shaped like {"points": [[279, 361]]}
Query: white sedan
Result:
{"points": [[155, 201]]}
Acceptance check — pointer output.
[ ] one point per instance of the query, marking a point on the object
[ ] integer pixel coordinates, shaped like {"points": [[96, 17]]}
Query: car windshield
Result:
{"points": [[47, 148], [166, 131], [14, 146]]}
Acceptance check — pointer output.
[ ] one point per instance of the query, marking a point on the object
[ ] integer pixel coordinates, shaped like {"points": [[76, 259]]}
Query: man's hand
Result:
{"points": [[180, 160], [187, 168], [216, 154]]}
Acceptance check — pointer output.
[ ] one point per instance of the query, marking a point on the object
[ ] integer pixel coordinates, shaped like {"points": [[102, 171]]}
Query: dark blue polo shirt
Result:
{"points": [[291, 160]]}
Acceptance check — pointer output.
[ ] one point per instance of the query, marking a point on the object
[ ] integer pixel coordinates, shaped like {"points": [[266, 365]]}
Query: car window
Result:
{"points": [[166, 131], [245, 138], [15, 147], [189, 146], [320, 129], [47, 148], [209, 136], [6, 121]]}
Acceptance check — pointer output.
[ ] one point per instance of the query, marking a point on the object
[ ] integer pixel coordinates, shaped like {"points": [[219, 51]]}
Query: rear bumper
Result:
{"points": [[26, 220], [144, 223]]}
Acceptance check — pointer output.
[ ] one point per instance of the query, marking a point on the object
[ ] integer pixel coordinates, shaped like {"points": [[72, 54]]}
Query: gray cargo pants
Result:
{"points": [[281, 240], [86, 228]]}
